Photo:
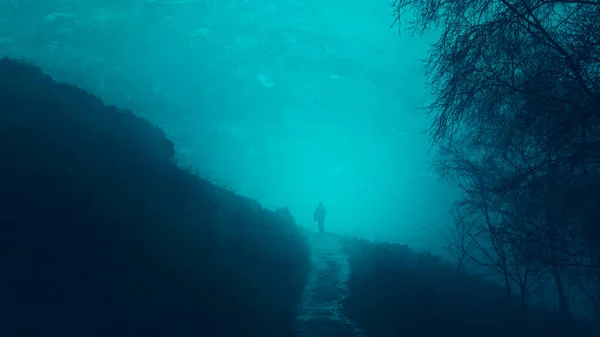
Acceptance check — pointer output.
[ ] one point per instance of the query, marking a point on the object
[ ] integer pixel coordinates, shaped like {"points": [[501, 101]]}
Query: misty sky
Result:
{"points": [[287, 102]]}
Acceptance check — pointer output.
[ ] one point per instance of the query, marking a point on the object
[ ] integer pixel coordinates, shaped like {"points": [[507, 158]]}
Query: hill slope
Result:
{"points": [[103, 235], [395, 291]]}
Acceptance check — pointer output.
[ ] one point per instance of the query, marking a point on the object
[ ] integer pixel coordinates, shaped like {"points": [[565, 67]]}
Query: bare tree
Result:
{"points": [[488, 50], [517, 84], [488, 230], [458, 243]]}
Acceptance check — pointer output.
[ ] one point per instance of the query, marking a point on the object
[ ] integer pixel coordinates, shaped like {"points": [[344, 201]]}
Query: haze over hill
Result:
{"points": [[287, 102]]}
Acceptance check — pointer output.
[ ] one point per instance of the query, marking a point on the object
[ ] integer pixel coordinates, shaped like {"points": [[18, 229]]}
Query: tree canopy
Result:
{"points": [[515, 115]]}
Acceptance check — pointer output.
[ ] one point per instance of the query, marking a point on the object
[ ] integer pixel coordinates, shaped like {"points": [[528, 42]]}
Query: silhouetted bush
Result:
{"points": [[394, 291], [101, 234]]}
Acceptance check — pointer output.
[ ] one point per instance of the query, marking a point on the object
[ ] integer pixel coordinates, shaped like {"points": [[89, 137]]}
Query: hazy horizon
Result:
{"points": [[289, 103]]}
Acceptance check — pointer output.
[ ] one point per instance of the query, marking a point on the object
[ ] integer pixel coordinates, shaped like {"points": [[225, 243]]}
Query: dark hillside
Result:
{"points": [[394, 291], [103, 235]]}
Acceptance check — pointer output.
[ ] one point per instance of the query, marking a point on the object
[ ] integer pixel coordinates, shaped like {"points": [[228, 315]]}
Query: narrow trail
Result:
{"points": [[320, 313]]}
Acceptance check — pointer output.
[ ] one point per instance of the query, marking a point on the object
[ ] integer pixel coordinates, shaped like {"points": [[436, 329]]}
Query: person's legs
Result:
{"points": [[321, 227]]}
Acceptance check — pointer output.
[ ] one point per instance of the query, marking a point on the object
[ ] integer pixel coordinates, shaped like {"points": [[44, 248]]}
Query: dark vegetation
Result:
{"points": [[103, 235], [395, 291], [516, 124]]}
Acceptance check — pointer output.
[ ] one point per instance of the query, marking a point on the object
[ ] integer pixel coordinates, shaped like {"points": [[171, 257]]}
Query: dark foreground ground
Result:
{"points": [[101, 234], [395, 291]]}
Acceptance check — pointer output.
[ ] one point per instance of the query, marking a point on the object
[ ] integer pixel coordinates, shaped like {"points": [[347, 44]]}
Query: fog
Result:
{"points": [[286, 102]]}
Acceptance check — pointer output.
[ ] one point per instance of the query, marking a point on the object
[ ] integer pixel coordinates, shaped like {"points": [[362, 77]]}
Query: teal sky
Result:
{"points": [[287, 102]]}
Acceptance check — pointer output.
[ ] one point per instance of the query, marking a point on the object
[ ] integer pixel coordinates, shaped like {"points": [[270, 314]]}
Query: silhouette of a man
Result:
{"points": [[319, 217]]}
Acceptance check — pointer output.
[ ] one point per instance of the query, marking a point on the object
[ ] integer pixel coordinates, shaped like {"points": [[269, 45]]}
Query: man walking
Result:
{"points": [[319, 217]]}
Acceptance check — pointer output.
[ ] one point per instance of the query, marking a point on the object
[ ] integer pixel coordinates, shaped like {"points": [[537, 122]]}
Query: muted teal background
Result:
{"points": [[288, 102]]}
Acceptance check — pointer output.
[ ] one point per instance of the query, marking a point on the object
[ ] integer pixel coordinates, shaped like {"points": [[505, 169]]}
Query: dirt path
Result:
{"points": [[320, 313]]}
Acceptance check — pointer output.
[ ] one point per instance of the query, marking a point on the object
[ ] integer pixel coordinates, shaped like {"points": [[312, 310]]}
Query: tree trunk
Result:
{"points": [[563, 303], [553, 223], [507, 284], [523, 297]]}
